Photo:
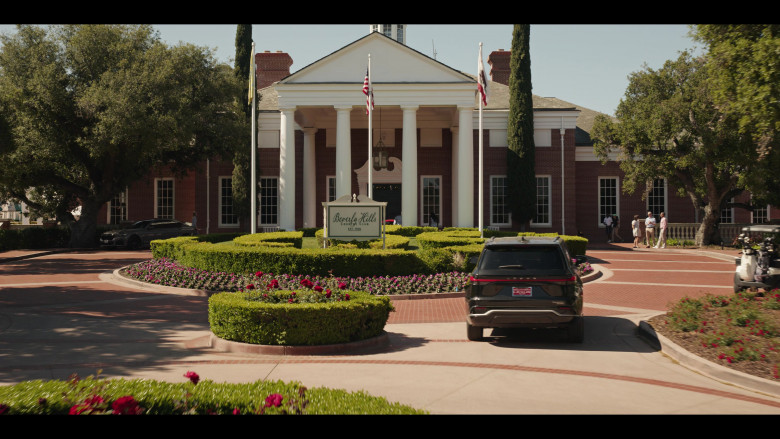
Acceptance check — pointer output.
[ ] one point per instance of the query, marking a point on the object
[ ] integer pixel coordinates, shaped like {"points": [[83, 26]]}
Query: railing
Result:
{"points": [[683, 231]]}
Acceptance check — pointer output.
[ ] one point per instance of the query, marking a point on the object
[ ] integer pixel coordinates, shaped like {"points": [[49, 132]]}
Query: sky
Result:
{"points": [[587, 65]]}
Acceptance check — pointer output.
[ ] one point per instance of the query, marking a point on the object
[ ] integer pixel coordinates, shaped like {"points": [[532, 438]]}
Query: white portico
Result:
{"points": [[420, 105]]}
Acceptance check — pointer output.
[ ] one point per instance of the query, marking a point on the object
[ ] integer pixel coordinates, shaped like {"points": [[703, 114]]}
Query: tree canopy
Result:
{"points": [[668, 126], [86, 110], [521, 158]]}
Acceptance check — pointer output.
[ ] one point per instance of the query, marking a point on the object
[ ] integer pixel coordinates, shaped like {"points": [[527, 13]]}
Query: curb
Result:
{"points": [[706, 367], [329, 349]]}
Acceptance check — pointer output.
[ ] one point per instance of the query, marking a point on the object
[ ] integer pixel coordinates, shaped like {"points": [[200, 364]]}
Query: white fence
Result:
{"points": [[682, 231]]}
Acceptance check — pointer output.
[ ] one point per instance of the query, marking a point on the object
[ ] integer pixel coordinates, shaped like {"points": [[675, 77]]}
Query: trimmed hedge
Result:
{"points": [[243, 318], [295, 239], [35, 238], [391, 241]]}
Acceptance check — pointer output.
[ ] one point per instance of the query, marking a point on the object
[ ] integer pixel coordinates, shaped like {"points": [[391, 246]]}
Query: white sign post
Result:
{"points": [[356, 218]]}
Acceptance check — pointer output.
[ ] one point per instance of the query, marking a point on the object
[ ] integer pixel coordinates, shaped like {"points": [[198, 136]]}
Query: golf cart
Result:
{"points": [[758, 267]]}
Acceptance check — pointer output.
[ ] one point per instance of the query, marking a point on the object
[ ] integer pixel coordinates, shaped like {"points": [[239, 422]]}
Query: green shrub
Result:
{"points": [[309, 232], [408, 231], [34, 237], [391, 241], [268, 318], [264, 239]]}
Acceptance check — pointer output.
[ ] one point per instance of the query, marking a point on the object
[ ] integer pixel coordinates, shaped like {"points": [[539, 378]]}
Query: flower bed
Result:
{"points": [[169, 273], [740, 331], [192, 396]]}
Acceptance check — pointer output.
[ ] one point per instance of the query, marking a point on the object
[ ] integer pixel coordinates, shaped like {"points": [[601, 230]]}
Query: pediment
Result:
{"points": [[391, 62]]}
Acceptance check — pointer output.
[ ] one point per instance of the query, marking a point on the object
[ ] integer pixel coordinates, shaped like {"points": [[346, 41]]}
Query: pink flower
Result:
{"points": [[236, 411], [192, 377], [126, 405], [274, 400]]}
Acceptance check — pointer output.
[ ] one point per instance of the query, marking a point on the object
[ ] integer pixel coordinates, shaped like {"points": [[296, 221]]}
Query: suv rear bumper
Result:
{"points": [[518, 318]]}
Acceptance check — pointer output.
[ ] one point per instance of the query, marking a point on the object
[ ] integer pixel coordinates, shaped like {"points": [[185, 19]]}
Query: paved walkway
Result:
{"points": [[66, 312]]}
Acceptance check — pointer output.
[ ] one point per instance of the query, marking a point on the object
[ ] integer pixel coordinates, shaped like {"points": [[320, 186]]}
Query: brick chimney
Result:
{"points": [[499, 66], [271, 67]]}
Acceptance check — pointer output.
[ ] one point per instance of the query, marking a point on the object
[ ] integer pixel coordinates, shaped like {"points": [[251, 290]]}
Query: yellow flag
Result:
{"points": [[252, 76]]}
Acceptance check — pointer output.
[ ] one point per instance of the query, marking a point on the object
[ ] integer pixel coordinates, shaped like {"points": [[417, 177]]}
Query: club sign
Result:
{"points": [[354, 218]]}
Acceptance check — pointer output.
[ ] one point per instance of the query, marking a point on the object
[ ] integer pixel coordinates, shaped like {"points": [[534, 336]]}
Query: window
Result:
{"points": [[388, 30], [164, 198], [227, 217], [542, 216], [331, 184], [431, 199], [656, 196], [608, 197], [499, 211], [727, 214], [117, 208], [760, 215], [269, 200], [400, 33]]}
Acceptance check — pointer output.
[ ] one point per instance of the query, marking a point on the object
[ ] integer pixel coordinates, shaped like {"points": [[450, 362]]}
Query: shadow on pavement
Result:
{"points": [[605, 334]]}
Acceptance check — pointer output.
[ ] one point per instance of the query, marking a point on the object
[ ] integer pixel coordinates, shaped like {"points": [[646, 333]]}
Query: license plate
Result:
{"points": [[521, 292]]}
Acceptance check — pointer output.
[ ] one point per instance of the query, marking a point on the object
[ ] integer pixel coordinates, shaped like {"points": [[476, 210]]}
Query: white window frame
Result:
{"points": [[329, 186], [729, 211], [221, 223], [110, 205], [422, 198], [617, 198], [665, 195], [549, 201], [506, 209], [768, 215], [157, 198], [261, 202]]}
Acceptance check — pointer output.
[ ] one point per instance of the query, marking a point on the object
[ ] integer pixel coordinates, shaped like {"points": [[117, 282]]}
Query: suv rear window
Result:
{"points": [[520, 260]]}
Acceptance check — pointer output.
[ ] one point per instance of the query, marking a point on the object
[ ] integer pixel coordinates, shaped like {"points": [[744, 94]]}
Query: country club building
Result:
{"points": [[312, 147]]}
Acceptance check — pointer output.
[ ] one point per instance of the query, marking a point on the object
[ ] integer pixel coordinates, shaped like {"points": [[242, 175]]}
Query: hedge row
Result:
{"points": [[287, 239], [398, 241], [34, 238], [241, 317]]}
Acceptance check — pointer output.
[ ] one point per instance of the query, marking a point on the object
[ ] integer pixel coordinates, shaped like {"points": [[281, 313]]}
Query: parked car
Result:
{"points": [[525, 282], [758, 267], [141, 233]]}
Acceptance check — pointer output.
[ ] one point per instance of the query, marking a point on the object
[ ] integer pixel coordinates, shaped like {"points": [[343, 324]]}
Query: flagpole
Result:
{"points": [[370, 133], [480, 214], [253, 192]]}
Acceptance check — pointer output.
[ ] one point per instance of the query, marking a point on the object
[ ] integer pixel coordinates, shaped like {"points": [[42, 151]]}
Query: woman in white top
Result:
{"points": [[635, 230]]}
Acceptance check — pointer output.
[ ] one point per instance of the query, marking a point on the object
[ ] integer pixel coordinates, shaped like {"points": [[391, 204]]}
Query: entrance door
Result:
{"points": [[391, 194]]}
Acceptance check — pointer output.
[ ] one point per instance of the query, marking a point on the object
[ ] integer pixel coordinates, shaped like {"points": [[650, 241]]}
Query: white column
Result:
{"points": [[309, 174], [465, 167], [343, 152], [287, 170], [454, 202], [409, 171]]}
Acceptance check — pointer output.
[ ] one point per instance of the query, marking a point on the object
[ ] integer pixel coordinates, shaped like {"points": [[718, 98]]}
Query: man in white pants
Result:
{"points": [[662, 232], [650, 229]]}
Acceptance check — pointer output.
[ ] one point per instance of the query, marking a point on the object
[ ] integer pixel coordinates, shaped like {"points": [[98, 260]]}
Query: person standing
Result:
{"points": [[608, 227], [615, 229], [650, 229], [635, 231], [662, 232]]}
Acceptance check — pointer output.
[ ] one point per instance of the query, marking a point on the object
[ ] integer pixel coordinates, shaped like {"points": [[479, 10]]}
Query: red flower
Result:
{"points": [[318, 288], [259, 273], [346, 297], [342, 285], [236, 411], [274, 400], [3, 409], [126, 405], [192, 377], [290, 300], [327, 294], [250, 287]]}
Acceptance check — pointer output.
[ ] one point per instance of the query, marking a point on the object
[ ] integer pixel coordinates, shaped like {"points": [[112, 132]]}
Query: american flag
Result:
{"points": [[483, 91], [369, 92]]}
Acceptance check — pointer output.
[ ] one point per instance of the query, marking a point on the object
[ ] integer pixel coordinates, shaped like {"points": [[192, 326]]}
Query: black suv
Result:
{"points": [[525, 282]]}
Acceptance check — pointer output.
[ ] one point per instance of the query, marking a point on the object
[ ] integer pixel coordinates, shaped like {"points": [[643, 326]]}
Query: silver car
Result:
{"points": [[141, 233]]}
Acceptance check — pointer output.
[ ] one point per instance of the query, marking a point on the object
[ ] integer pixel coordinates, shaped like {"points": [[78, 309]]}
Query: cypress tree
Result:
{"points": [[242, 157], [521, 176]]}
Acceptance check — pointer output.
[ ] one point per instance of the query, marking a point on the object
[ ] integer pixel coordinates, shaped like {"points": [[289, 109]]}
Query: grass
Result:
{"points": [[740, 331]]}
